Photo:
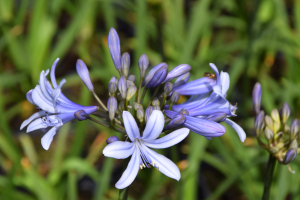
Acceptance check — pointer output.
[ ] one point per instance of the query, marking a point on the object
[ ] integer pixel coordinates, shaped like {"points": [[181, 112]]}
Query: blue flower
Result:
{"points": [[141, 155], [55, 108]]}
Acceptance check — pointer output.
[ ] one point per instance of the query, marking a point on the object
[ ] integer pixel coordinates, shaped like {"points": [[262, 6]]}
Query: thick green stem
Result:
{"points": [[268, 177], [123, 194]]}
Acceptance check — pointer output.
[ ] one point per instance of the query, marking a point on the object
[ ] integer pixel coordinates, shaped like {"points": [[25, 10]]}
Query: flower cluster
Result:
{"points": [[281, 140], [158, 123]]}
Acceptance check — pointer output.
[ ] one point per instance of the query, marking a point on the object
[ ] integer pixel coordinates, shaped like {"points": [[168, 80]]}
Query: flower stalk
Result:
{"points": [[268, 177]]}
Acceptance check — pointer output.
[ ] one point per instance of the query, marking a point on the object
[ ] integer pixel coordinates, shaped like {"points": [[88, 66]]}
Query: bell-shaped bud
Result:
{"points": [[129, 83], [114, 80], [131, 78], [184, 111], [256, 97], [217, 117], [259, 122], [81, 115], [148, 112], [275, 115], [269, 121], [168, 89], [294, 128], [290, 156], [178, 71], [177, 121], [156, 107], [269, 135], [83, 72], [112, 106], [131, 92], [285, 112], [152, 72], [114, 48], [183, 79], [112, 88], [125, 64], [155, 102], [123, 87], [143, 65], [112, 139], [140, 114], [158, 77], [174, 97]]}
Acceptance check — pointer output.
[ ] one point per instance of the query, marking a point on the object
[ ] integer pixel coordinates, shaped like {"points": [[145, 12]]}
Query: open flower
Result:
{"points": [[141, 155], [55, 108]]}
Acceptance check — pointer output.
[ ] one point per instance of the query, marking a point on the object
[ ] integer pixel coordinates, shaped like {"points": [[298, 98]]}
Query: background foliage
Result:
{"points": [[252, 40]]}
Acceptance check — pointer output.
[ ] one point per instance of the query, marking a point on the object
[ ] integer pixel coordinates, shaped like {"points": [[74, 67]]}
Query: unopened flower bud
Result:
{"points": [[168, 88], [177, 121], [269, 134], [112, 88], [182, 79], [136, 106], [140, 114], [129, 84], [217, 117], [287, 129], [119, 97], [290, 156], [112, 106], [155, 102], [143, 65], [294, 144], [178, 71], [276, 127], [285, 112], [158, 77], [273, 150], [259, 122], [148, 112], [83, 72], [123, 87], [156, 107], [114, 80], [131, 78], [125, 64], [121, 106], [114, 48], [294, 128], [256, 97], [131, 92], [174, 97], [269, 121], [152, 72], [112, 139], [184, 111], [275, 115], [81, 115]]}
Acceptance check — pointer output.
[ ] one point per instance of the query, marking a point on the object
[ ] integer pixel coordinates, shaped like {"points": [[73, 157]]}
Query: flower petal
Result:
{"points": [[36, 124], [214, 67], [52, 73], [163, 164], [29, 96], [119, 150], [225, 82], [131, 171], [131, 127], [48, 137], [200, 86], [154, 126], [169, 140], [237, 128], [32, 117]]}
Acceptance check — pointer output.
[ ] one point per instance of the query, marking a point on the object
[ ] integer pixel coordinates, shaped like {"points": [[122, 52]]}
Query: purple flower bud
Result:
{"points": [[136, 106], [177, 121], [114, 48], [294, 128], [155, 102], [158, 77], [152, 72], [140, 114], [131, 92], [289, 156], [132, 78], [285, 112], [112, 88], [81, 115], [83, 72], [114, 80], [143, 64], [156, 107], [123, 87], [125, 63], [182, 79], [256, 97], [174, 97], [112, 139], [129, 84], [148, 112], [259, 122], [112, 106], [217, 117], [168, 88], [178, 71]]}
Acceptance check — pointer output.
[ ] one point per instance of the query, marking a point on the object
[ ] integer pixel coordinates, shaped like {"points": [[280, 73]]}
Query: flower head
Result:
{"points": [[141, 155]]}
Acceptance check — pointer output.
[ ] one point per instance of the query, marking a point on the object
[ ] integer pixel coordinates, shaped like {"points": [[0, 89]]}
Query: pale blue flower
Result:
{"points": [[141, 155]]}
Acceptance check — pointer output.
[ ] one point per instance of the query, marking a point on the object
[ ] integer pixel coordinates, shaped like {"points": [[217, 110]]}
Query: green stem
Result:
{"points": [[107, 124], [123, 194], [99, 101], [137, 98], [143, 95], [268, 177]]}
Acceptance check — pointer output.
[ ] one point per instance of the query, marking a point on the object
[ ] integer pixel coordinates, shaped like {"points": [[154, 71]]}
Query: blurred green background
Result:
{"points": [[253, 40]]}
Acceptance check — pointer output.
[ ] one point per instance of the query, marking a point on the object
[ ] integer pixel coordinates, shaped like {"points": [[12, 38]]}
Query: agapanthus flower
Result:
{"points": [[141, 155], [55, 108], [201, 105]]}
